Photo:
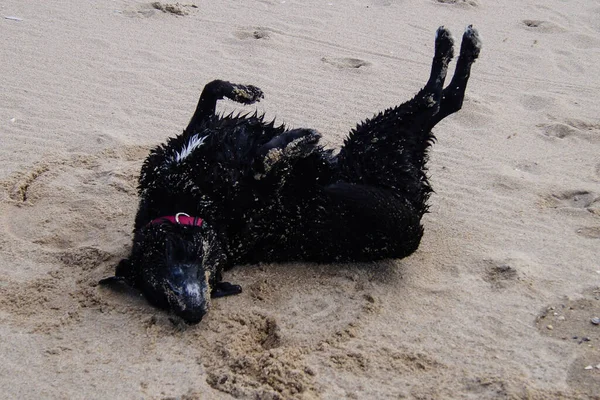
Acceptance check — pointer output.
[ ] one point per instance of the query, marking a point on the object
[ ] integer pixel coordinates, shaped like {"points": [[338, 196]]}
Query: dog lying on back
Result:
{"points": [[236, 189]]}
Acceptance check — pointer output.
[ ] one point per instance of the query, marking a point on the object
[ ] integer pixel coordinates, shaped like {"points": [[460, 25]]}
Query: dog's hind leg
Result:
{"points": [[444, 51], [217, 90], [389, 150], [454, 94]]}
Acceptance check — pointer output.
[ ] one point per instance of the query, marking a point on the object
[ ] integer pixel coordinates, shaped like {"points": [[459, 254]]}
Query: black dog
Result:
{"points": [[236, 189]]}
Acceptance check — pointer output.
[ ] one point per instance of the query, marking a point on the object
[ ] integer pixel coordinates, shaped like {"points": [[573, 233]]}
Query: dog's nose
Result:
{"points": [[192, 317]]}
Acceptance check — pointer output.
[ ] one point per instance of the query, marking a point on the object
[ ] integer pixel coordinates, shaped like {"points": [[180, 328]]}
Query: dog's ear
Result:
{"points": [[122, 273]]}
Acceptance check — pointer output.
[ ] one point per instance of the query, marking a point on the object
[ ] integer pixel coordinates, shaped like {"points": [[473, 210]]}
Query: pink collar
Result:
{"points": [[179, 218]]}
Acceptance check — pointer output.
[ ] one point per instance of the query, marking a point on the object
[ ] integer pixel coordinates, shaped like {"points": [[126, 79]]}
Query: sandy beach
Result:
{"points": [[497, 302]]}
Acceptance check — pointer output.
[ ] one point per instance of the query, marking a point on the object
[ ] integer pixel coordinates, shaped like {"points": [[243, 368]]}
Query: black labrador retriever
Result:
{"points": [[236, 189]]}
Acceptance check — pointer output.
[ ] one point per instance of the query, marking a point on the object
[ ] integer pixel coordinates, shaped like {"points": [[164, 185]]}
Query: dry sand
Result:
{"points": [[497, 301]]}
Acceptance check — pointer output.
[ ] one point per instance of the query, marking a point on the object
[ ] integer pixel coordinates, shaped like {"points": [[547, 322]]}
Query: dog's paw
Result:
{"points": [[302, 143], [444, 43], [246, 94], [223, 289], [471, 43], [287, 147]]}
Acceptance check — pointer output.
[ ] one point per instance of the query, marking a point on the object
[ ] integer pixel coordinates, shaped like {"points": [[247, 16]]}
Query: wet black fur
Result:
{"points": [[267, 193]]}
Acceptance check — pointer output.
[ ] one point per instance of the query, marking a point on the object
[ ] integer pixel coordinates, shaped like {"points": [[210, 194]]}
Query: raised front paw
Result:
{"points": [[285, 148], [246, 94]]}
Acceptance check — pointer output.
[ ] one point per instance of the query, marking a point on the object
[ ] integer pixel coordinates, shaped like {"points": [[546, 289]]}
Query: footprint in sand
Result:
{"points": [[380, 3], [531, 167], [567, 62], [569, 320], [585, 381], [571, 128], [173, 8], [499, 274], [255, 33], [468, 3], [584, 125], [575, 199], [148, 10], [557, 130], [590, 232], [542, 26], [582, 41], [344, 63], [534, 102], [507, 183]]}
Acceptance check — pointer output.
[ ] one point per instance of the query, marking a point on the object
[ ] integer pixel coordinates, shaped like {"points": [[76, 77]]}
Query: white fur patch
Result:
{"points": [[194, 142], [193, 289]]}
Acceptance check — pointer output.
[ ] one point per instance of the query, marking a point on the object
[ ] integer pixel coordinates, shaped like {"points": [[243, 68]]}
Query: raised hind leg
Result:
{"points": [[375, 207], [444, 51], [454, 94], [217, 90], [389, 150]]}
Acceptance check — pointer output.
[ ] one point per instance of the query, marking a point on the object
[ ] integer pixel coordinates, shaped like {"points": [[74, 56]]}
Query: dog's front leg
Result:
{"points": [[223, 289], [284, 149], [217, 90]]}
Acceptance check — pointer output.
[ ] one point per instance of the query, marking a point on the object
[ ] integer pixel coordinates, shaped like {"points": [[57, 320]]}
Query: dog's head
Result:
{"points": [[175, 266]]}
